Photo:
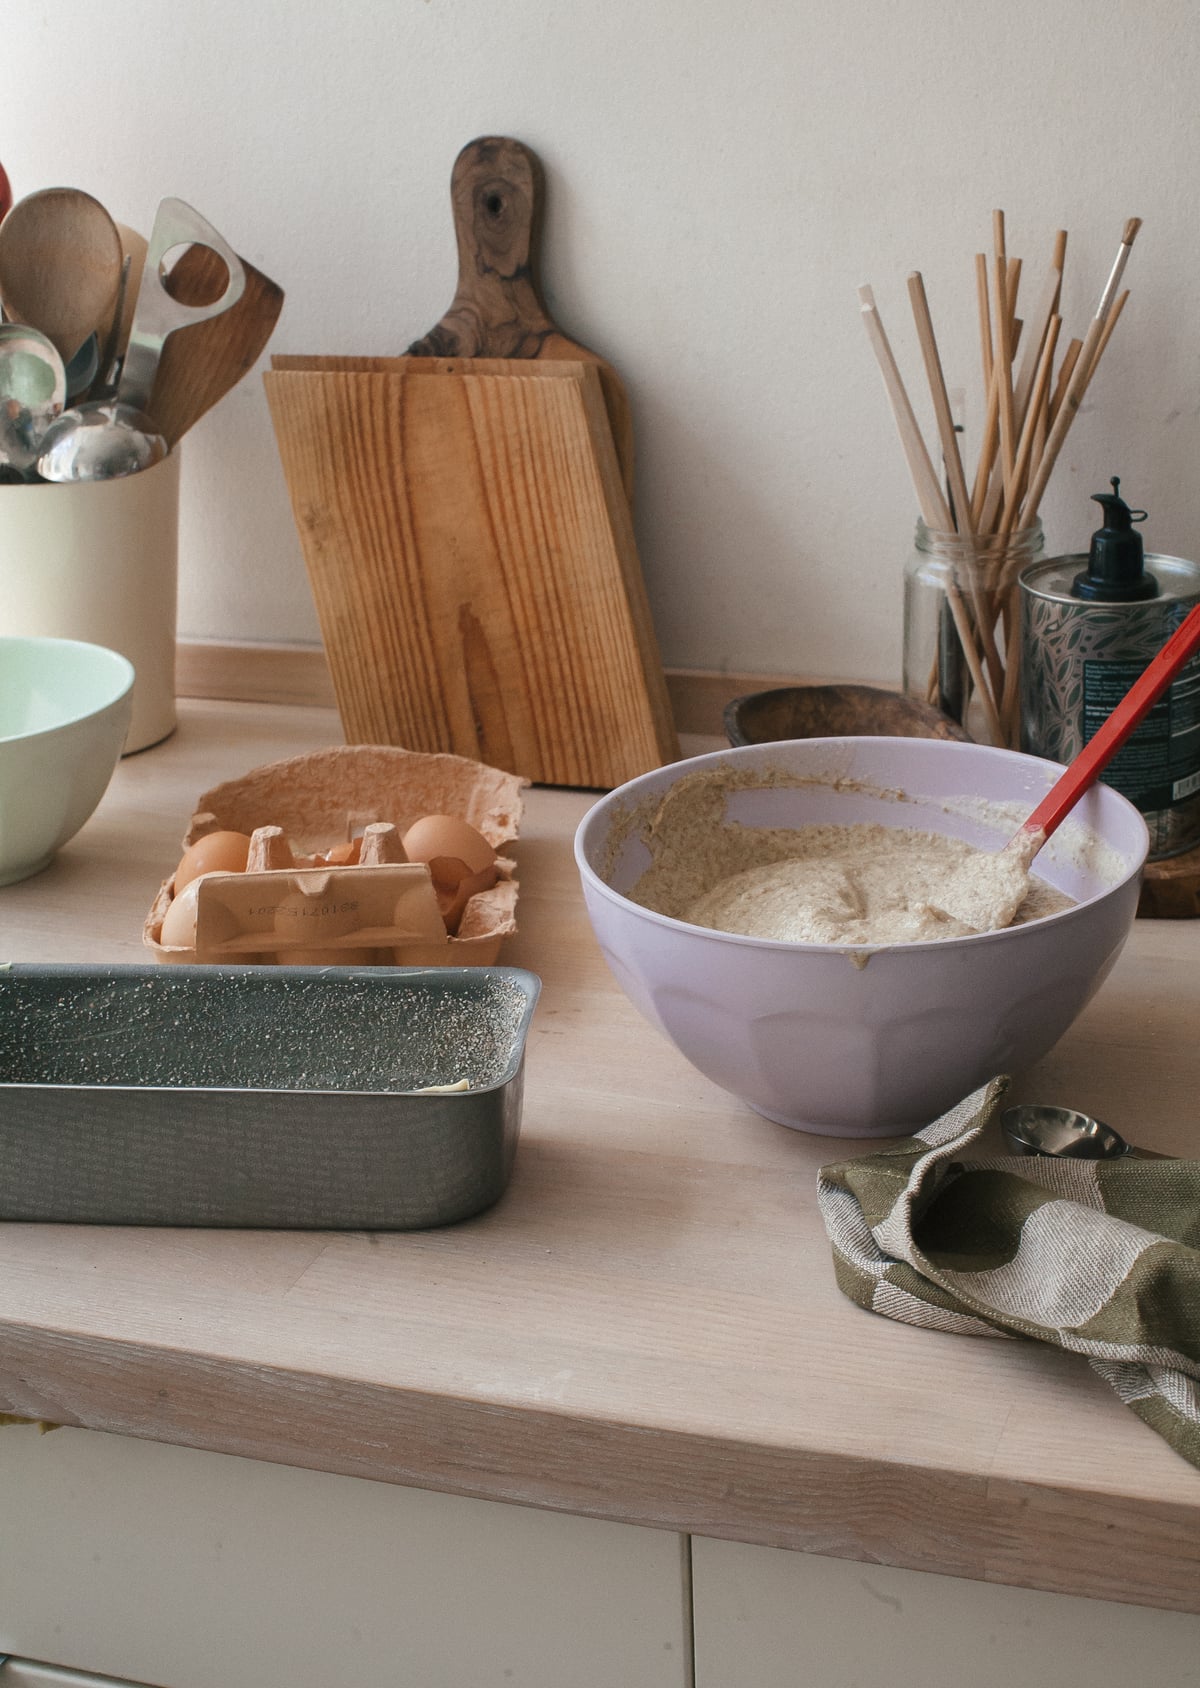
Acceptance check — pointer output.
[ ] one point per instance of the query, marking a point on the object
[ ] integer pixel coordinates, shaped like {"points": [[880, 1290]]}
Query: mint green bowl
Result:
{"points": [[64, 713]]}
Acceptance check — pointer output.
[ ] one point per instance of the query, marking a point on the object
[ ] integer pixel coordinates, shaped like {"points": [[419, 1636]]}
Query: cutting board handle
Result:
{"points": [[496, 191]]}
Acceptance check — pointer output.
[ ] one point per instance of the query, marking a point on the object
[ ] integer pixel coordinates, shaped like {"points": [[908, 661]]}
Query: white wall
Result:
{"points": [[722, 174]]}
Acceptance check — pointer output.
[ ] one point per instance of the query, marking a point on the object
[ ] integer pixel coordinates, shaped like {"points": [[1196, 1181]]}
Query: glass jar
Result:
{"points": [[960, 604]]}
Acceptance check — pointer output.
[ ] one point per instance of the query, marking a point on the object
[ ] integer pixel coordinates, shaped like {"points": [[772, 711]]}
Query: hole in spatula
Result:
{"points": [[194, 274]]}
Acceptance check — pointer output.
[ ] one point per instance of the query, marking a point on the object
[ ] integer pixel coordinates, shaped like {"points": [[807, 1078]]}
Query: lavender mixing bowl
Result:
{"points": [[805, 1033]]}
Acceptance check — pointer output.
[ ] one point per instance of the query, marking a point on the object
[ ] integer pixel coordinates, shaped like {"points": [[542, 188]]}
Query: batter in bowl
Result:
{"points": [[862, 884], [826, 884]]}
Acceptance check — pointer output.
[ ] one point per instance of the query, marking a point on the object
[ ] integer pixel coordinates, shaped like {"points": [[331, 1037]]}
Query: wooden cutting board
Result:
{"points": [[472, 559], [497, 194]]}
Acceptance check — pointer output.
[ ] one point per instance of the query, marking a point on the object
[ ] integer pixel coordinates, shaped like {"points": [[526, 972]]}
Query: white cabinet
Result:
{"points": [[165, 1566], [193, 1570], [766, 1618]]}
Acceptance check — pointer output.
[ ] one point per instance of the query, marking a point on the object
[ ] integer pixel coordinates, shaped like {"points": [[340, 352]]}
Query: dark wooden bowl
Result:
{"points": [[1171, 888], [791, 712]]}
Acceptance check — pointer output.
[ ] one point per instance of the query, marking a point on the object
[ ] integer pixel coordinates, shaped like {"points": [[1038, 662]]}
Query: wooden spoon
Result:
{"points": [[496, 191], [199, 364], [60, 266], [987, 893]]}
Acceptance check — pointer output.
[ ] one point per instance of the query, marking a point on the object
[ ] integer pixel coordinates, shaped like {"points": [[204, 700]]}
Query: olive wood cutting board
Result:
{"points": [[471, 552], [497, 194]]}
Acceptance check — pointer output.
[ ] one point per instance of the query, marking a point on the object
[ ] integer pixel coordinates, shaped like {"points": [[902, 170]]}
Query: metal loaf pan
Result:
{"points": [[244, 1096]]}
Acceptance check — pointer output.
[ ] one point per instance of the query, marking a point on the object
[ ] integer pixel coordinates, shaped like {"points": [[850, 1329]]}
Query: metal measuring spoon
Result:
{"points": [[33, 390], [1034, 1129]]}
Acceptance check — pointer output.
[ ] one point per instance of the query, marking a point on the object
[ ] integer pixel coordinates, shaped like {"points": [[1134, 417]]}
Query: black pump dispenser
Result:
{"points": [[1116, 571]]}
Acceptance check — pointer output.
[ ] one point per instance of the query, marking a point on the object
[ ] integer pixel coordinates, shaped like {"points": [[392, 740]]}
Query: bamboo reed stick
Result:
{"points": [[1034, 341], [994, 502], [984, 308], [1029, 411], [1041, 386], [961, 498], [1042, 428], [1065, 372], [963, 628], [1012, 286], [1010, 702], [1004, 361], [1085, 368], [1113, 318], [941, 403], [988, 445], [1058, 262], [934, 508]]}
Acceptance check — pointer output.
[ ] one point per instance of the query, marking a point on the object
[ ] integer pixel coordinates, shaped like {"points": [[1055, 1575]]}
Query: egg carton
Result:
{"points": [[289, 908]]}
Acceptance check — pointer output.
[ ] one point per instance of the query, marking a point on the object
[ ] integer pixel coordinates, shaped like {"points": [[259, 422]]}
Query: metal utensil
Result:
{"points": [[99, 442], [1036, 1129], [108, 365], [135, 247], [105, 440], [200, 365], [83, 369], [60, 265], [157, 313], [33, 390]]}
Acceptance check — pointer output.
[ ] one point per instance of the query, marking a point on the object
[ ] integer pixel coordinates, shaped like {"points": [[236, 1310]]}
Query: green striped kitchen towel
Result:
{"points": [[1101, 1258]]}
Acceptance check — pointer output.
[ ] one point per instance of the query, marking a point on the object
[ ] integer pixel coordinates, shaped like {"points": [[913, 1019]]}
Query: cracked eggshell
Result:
{"points": [[321, 799]]}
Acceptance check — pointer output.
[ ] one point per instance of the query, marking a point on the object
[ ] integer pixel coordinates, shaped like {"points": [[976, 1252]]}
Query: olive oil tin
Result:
{"points": [[1079, 658]]}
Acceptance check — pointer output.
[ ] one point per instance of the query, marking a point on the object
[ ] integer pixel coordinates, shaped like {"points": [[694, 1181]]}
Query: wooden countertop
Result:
{"points": [[646, 1327]]}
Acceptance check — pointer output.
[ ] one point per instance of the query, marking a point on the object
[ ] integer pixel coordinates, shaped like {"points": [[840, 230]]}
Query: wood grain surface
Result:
{"points": [[473, 563], [202, 362], [497, 194], [646, 1327]]}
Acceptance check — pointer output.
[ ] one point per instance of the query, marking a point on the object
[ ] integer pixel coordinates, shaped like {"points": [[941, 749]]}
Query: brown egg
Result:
{"points": [[460, 862], [216, 852], [446, 835], [179, 923]]}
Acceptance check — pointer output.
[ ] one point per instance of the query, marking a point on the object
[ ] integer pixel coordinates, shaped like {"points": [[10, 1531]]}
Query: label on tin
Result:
{"points": [[1079, 658], [1160, 763]]}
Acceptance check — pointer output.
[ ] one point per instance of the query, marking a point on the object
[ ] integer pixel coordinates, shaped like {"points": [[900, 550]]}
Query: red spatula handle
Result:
{"points": [[1099, 751]]}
